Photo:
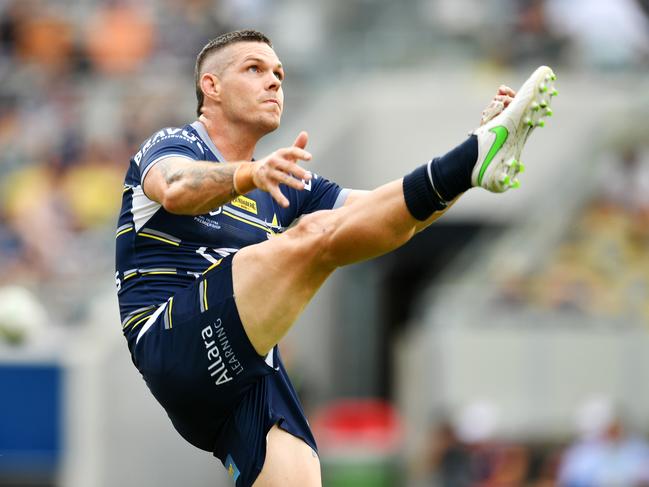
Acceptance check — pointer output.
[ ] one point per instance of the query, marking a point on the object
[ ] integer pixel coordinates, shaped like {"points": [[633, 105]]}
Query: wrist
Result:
{"points": [[243, 178]]}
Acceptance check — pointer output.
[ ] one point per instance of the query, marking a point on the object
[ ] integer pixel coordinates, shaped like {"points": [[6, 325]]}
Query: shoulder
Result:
{"points": [[185, 139]]}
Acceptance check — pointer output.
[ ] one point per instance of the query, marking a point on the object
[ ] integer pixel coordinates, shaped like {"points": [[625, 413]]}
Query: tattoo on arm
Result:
{"points": [[193, 177], [170, 174], [222, 175]]}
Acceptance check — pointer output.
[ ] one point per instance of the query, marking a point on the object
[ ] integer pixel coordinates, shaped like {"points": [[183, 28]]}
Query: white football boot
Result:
{"points": [[501, 140]]}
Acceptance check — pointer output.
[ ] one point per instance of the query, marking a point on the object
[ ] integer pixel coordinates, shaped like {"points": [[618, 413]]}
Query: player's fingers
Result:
{"points": [[294, 183], [281, 177], [295, 153], [291, 167], [296, 172], [301, 140], [278, 196]]}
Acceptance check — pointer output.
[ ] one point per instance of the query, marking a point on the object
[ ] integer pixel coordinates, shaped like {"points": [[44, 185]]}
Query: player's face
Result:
{"points": [[251, 86]]}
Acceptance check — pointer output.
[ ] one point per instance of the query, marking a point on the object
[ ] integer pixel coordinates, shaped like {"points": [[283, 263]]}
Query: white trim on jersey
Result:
{"points": [[151, 320], [205, 137], [142, 208], [342, 197], [250, 218], [270, 359]]}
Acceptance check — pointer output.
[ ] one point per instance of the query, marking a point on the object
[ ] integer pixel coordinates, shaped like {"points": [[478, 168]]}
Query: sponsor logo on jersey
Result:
{"points": [[223, 364], [208, 222], [165, 134], [245, 204]]}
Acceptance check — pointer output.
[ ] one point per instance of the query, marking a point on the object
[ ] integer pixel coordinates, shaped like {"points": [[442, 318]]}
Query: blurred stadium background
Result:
{"points": [[506, 346]]}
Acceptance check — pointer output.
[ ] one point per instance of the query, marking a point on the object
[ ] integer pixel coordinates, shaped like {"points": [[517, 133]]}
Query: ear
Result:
{"points": [[211, 86]]}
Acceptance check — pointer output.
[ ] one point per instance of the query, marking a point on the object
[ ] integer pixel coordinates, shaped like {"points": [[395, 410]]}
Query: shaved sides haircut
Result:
{"points": [[217, 44]]}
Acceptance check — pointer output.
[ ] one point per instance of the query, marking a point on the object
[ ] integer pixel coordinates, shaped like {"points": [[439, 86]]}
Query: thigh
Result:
{"points": [[289, 462], [274, 280]]}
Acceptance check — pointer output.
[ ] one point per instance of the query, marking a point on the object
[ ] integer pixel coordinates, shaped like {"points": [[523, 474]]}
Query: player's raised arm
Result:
{"points": [[186, 187]]}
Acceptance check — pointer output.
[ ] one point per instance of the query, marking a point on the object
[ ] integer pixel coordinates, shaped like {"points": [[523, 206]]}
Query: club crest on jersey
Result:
{"points": [[245, 204]]}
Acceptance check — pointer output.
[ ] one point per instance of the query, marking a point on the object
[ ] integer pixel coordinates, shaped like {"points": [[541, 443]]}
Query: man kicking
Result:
{"points": [[218, 254]]}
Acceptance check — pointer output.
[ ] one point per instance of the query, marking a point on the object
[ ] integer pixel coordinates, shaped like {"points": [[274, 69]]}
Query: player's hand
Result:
{"points": [[280, 167], [500, 101]]}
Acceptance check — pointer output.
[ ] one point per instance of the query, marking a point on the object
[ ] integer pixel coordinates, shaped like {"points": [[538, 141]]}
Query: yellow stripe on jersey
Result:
{"points": [[140, 321], [162, 239], [205, 294], [130, 321], [124, 231], [212, 266], [231, 215], [171, 303], [128, 276]]}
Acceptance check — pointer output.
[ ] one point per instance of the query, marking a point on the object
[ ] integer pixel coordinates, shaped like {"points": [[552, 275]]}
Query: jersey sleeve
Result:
{"points": [[318, 194], [165, 143]]}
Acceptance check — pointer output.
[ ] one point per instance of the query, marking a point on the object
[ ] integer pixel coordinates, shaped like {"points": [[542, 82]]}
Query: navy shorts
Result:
{"points": [[220, 395]]}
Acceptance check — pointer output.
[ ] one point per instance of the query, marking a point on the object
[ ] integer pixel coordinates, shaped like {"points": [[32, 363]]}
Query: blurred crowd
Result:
{"points": [[82, 83], [465, 451], [73, 106], [600, 265], [601, 34]]}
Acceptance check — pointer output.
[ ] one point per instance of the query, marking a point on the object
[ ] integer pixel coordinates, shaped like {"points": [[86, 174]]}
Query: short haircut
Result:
{"points": [[216, 44]]}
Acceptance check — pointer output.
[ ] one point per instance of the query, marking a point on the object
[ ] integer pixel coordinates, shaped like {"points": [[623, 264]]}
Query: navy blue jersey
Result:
{"points": [[158, 253]]}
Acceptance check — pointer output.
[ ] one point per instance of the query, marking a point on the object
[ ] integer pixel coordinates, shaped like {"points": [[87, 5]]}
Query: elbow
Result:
{"points": [[171, 206], [175, 202]]}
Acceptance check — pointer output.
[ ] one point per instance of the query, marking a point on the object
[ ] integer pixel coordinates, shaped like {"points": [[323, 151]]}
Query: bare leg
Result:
{"points": [[275, 280], [289, 462]]}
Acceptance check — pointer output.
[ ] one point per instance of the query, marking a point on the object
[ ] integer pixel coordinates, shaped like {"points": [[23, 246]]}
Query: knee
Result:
{"points": [[315, 232]]}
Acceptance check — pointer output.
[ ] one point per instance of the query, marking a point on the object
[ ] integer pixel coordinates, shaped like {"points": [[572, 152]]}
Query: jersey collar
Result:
{"points": [[202, 133]]}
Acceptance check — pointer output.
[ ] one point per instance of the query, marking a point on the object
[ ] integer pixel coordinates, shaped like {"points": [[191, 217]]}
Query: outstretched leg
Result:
{"points": [[274, 280]]}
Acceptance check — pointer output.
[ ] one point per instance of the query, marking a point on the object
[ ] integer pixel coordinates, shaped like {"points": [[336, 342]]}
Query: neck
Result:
{"points": [[234, 143]]}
